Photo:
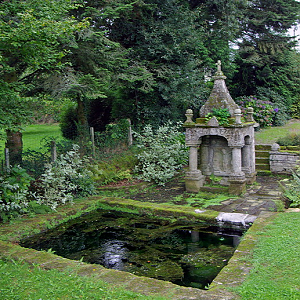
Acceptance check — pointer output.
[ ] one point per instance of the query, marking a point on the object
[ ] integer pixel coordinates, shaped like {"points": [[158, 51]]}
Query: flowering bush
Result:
{"points": [[264, 112], [162, 153]]}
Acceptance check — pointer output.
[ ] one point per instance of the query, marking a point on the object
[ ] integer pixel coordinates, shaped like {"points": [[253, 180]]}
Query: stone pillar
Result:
{"points": [[237, 162], [194, 179], [237, 182], [193, 159], [248, 160], [246, 156]]}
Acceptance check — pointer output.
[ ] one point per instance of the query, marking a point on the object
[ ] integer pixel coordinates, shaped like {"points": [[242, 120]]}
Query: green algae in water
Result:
{"points": [[178, 252]]}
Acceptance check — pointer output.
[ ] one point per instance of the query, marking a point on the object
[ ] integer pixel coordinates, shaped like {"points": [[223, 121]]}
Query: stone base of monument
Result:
{"points": [[194, 181], [237, 186], [251, 178]]}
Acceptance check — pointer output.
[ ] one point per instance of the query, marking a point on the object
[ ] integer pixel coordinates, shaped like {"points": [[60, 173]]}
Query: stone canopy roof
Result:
{"points": [[220, 96]]}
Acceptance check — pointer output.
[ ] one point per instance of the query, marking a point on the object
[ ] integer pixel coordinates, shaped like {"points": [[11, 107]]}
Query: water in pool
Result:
{"points": [[177, 251]]}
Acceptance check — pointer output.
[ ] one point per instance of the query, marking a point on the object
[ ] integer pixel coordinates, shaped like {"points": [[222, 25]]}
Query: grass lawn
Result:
{"points": [[19, 281], [33, 135], [270, 135], [276, 262]]}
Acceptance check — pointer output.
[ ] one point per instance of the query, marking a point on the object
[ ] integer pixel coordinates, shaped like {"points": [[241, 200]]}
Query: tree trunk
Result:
{"points": [[14, 144]]}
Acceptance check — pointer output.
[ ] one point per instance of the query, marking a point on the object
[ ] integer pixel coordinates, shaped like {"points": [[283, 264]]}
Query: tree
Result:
{"points": [[221, 21], [265, 56], [167, 55], [32, 39]]}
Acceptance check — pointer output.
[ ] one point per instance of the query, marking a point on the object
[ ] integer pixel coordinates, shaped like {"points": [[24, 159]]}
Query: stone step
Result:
{"points": [[263, 172], [262, 160], [259, 153], [262, 167], [263, 147]]}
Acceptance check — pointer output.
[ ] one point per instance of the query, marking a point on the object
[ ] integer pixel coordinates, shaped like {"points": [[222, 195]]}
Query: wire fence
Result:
{"points": [[98, 145]]}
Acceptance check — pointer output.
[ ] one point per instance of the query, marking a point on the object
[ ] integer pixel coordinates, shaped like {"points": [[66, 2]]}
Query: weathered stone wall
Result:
{"points": [[283, 162]]}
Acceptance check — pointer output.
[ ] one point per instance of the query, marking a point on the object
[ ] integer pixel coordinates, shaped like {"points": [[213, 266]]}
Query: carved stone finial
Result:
{"points": [[238, 115], [189, 115], [249, 114], [275, 147], [218, 64]]}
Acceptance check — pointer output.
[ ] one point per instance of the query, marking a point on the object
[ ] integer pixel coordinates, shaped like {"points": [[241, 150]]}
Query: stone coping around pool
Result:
{"points": [[231, 275]]}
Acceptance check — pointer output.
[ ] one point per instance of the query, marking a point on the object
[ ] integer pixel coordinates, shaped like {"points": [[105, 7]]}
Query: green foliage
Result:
{"points": [[162, 153], [68, 122], [115, 167], [167, 51], [110, 174], [222, 115], [14, 193], [267, 56], [31, 33], [295, 110], [263, 110], [292, 189], [115, 134], [292, 139], [63, 179], [281, 105]]}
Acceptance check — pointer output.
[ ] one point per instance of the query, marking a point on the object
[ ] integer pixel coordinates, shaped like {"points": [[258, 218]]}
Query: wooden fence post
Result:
{"points": [[130, 139], [6, 157], [53, 151], [93, 141]]}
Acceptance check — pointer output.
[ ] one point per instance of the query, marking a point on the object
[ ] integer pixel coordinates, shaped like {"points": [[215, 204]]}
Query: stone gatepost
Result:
{"points": [[220, 149]]}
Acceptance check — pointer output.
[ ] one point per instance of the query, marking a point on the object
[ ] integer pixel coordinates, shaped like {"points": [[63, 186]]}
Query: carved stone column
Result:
{"points": [[248, 160], [246, 157], [194, 179], [237, 182], [237, 162]]}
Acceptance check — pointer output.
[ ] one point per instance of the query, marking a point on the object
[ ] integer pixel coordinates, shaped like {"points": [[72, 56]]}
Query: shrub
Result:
{"points": [[289, 140], [115, 167], [162, 153], [14, 194], [63, 179], [114, 135], [292, 190], [68, 123], [295, 109], [264, 111], [279, 103]]}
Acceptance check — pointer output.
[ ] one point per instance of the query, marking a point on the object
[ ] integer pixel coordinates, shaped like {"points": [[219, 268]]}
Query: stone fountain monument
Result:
{"points": [[224, 151]]}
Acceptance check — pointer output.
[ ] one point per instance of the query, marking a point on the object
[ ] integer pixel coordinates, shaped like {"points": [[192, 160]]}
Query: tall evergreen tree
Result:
{"points": [[266, 51], [166, 48]]}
